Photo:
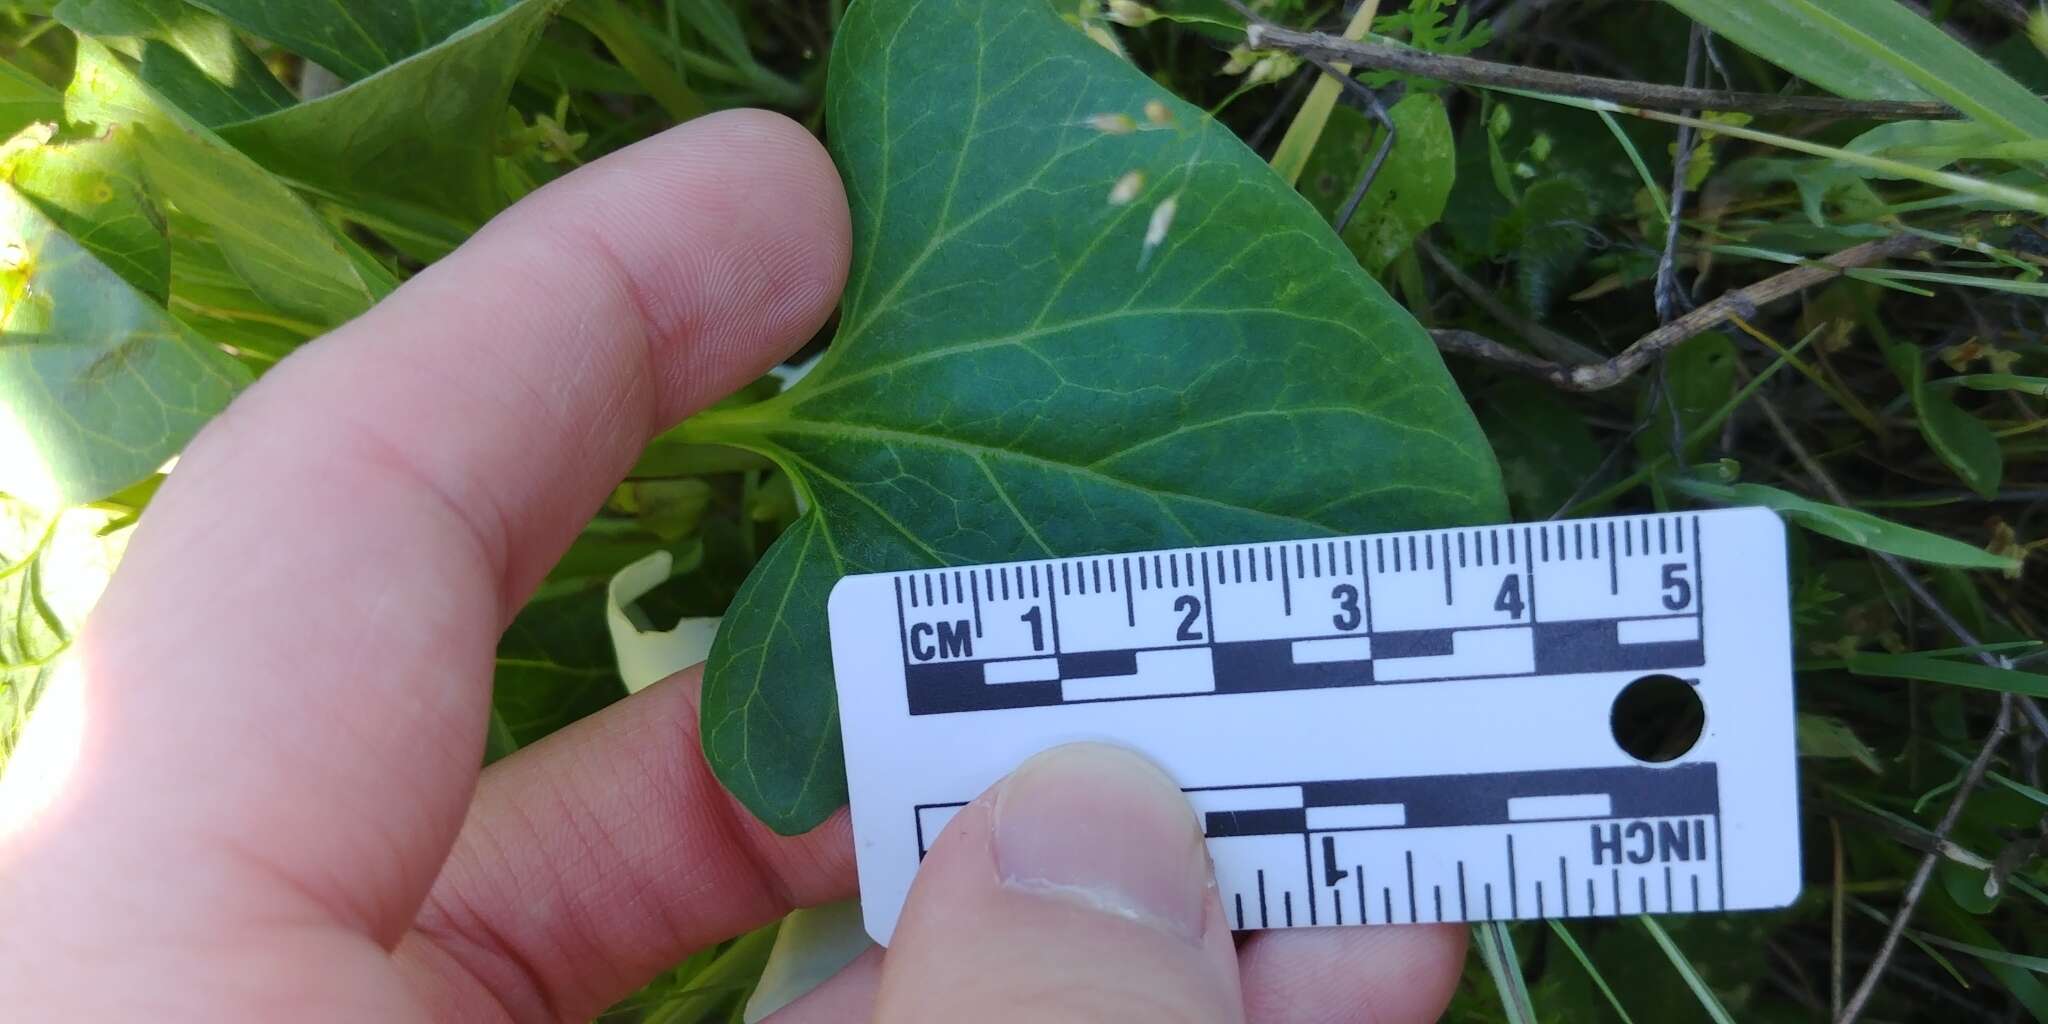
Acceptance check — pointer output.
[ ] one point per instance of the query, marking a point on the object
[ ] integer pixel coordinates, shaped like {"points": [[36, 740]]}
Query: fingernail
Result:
{"points": [[1104, 828]]}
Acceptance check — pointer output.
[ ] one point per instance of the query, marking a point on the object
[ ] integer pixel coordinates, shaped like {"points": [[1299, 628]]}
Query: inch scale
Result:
{"points": [[1400, 728]]}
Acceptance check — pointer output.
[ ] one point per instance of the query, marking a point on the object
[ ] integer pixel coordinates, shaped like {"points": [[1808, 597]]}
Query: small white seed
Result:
{"points": [[1161, 223], [1113, 124], [1126, 188]]}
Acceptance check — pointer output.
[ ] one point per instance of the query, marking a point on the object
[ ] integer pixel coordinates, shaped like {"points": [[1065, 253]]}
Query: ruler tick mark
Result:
{"points": [[1514, 891], [1263, 922], [1096, 571], [1461, 553], [1130, 597], [1411, 869], [1463, 913], [1494, 546], [1564, 887], [1239, 898], [974, 583], [1237, 565], [1439, 891], [1287, 906]]}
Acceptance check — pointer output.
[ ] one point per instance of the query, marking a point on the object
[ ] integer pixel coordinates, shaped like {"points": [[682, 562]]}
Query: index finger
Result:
{"points": [[284, 689]]}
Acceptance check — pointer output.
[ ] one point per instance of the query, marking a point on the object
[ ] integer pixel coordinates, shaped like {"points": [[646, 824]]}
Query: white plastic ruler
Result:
{"points": [[1400, 728]]}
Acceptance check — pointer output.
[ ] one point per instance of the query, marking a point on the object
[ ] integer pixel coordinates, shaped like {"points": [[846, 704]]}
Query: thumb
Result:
{"points": [[1077, 889]]}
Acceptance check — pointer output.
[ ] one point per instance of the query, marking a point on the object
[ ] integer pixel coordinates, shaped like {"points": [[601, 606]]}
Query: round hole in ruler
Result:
{"points": [[1657, 718]]}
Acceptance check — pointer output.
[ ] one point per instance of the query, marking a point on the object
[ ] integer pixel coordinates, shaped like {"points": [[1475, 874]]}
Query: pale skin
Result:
{"points": [[256, 796]]}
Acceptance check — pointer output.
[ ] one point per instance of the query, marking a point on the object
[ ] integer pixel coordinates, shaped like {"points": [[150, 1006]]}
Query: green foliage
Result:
{"points": [[98, 384], [422, 130], [1410, 190], [1096, 406], [1850, 526], [354, 41]]}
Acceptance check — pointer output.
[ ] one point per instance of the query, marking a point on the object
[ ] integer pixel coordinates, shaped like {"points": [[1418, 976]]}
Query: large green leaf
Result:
{"points": [[1875, 49], [351, 38], [25, 99], [278, 262], [98, 385], [422, 131], [192, 58], [1019, 374], [92, 189]]}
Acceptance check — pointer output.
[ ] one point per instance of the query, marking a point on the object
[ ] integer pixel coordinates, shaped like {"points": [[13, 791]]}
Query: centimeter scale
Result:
{"points": [[1401, 728]]}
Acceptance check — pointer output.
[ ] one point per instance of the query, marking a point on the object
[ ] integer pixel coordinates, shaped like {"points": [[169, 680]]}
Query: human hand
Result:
{"points": [[255, 794]]}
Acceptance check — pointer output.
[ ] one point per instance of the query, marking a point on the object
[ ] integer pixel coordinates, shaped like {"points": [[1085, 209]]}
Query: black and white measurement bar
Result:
{"points": [[1586, 596], [1585, 842], [1390, 729]]}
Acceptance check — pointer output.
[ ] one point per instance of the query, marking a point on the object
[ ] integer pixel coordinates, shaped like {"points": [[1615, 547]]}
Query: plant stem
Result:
{"points": [[1384, 56], [619, 31], [1739, 303]]}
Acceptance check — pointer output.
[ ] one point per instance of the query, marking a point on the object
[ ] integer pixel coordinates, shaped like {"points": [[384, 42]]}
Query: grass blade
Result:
{"points": [[1708, 1001], [1497, 951], [1565, 935]]}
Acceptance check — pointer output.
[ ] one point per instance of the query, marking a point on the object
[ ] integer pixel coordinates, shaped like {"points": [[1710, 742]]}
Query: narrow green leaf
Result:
{"points": [[1851, 526], [1496, 948], [1564, 934], [1408, 194], [1782, 32], [1875, 49], [281, 261], [351, 39], [1019, 373], [422, 131], [1708, 1001], [1888, 34], [1975, 675], [1960, 439], [1290, 157], [53, 566], [1996, 382], [98, 385], [1829, 737], [193, 59]]}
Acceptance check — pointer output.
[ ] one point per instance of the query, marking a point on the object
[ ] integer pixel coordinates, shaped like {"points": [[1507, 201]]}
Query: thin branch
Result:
{"points": [[1972, 777], [1917, 888], [1380, 56], [1669, 298], [1741, 302], [1539, 337]]}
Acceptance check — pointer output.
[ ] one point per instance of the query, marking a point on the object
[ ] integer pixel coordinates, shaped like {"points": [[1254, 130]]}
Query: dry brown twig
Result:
{"points": [[1378, 56], [1973, 776], [1740, 302]]}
